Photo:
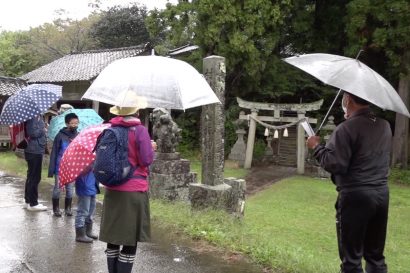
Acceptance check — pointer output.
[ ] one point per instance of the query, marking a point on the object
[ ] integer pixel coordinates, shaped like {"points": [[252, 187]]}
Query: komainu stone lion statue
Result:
{"points": [[165, 131]]}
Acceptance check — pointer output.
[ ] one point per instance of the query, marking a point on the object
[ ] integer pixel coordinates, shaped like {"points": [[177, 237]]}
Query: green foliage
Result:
{"points": [[376, 25], [189, 123], [259, 149], [400, 176], [246, 33], [23, 51], [14, 57], [172, 27], [121, 27], [289, 227]]}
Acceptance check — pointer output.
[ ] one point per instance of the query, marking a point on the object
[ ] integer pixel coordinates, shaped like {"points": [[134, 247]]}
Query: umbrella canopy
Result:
{"points": [[86, 118], [157, 81], [31, 101], [352, 76], [79, 154]]}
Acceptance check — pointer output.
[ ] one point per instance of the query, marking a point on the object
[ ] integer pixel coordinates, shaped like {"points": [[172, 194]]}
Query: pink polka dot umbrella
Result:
{"points": [[79, 154]]}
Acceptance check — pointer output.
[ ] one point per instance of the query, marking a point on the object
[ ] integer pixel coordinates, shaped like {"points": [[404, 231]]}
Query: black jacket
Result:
{"points": [[358, 152]]}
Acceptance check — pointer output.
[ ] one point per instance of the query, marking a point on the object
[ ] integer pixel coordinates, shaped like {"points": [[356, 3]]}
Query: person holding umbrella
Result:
{"points": [[357, 155], [125, 219], [33, 154], [60, 144], [27, 107]]}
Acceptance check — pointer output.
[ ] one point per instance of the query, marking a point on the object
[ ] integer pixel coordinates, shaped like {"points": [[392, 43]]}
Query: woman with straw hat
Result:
{"points": [[125, 218]]}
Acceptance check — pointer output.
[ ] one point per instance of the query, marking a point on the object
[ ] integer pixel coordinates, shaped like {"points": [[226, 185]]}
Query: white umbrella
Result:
{"points": [[155, 81], [352, 76]]}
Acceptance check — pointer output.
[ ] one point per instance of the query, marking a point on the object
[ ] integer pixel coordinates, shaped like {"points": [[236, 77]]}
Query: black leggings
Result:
{"points": [[130, 250]]}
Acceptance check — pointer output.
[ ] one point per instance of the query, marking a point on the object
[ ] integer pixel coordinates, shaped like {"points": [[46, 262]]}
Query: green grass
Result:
{"points": [[289, 227], [18, 166], [230, 170], [400, 176]]}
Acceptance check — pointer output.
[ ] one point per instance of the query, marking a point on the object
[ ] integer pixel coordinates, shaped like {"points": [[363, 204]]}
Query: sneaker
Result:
{"points": [[38, 207], [26, 205]]}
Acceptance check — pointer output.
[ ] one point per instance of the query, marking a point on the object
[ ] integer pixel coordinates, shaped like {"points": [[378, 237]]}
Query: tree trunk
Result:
{"points": [[401, 131]]}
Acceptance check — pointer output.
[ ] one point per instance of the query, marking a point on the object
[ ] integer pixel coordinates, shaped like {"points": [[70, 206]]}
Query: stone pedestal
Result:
{"points": [[170, 177], [228, 196]]}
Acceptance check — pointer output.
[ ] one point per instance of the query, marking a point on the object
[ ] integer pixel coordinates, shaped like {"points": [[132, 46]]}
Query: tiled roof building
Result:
{"points": [[9, 86], [84, 66], [76, 71]]}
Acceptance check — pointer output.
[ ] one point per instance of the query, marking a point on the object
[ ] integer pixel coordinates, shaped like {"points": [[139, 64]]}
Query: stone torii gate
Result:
{"points": [[277, 108]]}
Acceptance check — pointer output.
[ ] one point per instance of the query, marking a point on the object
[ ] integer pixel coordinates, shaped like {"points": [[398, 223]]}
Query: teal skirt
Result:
{"points": [[125, 218]]}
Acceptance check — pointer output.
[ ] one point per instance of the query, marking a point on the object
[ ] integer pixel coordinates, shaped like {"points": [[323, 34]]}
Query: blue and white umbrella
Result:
{"points": [[31, 101], [86, 117]]}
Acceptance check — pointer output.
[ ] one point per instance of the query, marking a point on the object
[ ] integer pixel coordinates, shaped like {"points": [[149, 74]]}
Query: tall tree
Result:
{"points": [[54, 40], [15, 59], [121, 27], [382, 28]]}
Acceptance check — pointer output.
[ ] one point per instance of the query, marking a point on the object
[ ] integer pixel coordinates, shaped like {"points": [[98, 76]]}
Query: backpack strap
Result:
{"points": [[133, 142]]}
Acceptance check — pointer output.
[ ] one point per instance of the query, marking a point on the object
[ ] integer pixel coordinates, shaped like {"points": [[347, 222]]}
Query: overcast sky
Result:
{"points": [[23, 14]]}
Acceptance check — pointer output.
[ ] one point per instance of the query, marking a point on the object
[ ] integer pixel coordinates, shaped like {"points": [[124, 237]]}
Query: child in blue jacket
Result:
{"points": [[60, 144], [86, 188]]}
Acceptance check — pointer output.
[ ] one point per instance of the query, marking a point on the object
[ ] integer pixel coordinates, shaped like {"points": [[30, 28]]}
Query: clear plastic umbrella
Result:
{"points": [[155, 81], [352, 76]]}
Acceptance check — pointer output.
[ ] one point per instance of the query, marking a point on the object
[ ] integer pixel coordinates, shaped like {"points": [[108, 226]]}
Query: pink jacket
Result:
{"points": [[140, 154]]}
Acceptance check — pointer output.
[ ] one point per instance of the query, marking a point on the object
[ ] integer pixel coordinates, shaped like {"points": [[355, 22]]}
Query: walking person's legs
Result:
{"points": [[34, 162], [68, 199], [56, 197], [126, 259], [355, 209], [376, 235], [82, 212], [89, 219], [112, 252]]}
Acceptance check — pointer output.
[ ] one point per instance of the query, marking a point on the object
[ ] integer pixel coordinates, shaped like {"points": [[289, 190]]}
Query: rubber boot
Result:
{"points": [[89, 231], [56, 207], [125, 263], [81, 237], [67, 207], [112, 259]]}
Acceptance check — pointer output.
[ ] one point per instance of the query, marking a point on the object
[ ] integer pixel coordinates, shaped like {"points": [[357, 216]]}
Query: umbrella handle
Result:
{"points": [[328, 111]]}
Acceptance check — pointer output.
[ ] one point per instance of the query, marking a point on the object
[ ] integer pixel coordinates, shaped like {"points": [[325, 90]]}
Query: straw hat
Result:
{"points": [[123, 111], [130, 97], [65, 107]]}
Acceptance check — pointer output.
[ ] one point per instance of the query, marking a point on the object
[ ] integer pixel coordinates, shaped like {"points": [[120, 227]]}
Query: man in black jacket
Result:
{"points": [[36, 145], [357, 155]]}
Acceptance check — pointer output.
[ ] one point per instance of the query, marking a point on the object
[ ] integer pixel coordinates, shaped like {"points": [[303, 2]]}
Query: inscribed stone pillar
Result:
{"points": [[213, 123], [251, 140], [301, 146]]}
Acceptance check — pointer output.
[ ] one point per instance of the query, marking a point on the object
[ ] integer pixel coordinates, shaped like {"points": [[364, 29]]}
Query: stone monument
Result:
{"points": [[215, 191], [170, 175]]}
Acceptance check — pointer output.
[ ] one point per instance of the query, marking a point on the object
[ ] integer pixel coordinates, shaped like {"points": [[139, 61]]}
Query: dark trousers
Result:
{"points": [[34, 164], [361, 224]]}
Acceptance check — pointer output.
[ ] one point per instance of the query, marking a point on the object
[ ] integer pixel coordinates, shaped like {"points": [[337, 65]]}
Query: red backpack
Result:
{"points": [[19, 138]]}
